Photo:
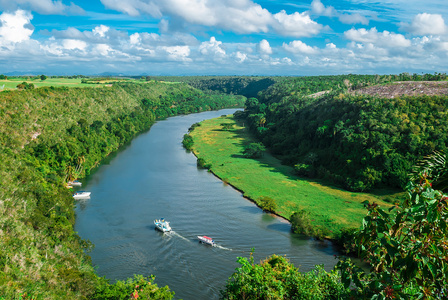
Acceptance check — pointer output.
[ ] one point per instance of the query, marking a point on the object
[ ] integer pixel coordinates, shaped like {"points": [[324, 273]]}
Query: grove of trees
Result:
{"points": [[357, 141]]}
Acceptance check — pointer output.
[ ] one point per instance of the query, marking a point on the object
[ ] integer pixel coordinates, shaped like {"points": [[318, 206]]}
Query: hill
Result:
{"points": [[355, 138], [48, 135]]}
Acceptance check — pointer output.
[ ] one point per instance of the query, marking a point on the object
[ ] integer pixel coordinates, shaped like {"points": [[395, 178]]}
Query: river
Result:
{"points": [[154, 177]]}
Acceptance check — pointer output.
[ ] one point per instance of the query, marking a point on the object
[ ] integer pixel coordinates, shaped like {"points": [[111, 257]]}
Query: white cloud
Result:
{"points": [[16, 27], [296, 24], [426, 24], [384, 39], [70, 44], [45, 7], [264, 47], [101, 30], [212, 48], [241, 57], [135, 38], [242, 16], [299, 47], [353, 19], [318, 8], [102, 49], [178, 53]]}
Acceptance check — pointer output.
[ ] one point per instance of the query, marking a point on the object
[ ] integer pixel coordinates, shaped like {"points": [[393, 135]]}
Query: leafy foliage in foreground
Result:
{"points": [[138, 287], [46, 134], [406, 247], [277, 278]]}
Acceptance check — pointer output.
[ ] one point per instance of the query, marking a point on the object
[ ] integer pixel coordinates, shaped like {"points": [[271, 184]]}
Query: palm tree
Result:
{"points": [[435, 168]]}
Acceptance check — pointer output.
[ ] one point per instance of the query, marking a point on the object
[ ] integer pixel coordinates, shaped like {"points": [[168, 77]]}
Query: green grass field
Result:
{"points": [[331, 208], [12, 82]]}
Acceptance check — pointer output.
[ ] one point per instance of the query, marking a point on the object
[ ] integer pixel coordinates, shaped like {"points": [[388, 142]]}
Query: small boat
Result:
{"points": [[81, 195], [75, 183], [206, 240], [162, 225]]}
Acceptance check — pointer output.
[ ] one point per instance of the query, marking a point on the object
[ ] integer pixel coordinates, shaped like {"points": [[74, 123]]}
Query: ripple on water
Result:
{"points": [[154, 177]]}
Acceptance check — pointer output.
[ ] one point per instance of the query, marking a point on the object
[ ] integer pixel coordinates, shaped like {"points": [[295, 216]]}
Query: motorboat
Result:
{"points": [[81, 195], [75, 183], [162, 225], [206, 240]]}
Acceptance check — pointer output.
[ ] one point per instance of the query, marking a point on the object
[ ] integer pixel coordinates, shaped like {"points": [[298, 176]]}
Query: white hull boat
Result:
{"points": [[162, 225], [74, 183], [81, 195], [206, 240]]}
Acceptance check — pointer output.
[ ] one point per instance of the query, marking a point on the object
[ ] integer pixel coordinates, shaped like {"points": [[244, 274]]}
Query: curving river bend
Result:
{"points": [[155, 177]]}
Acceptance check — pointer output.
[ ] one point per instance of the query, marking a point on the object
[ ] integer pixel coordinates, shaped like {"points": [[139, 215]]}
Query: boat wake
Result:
{"points": [[223, 248], [178, 235]]}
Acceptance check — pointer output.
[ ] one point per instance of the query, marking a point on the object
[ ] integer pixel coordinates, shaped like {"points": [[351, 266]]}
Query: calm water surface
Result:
{"points": [[155, 177]]}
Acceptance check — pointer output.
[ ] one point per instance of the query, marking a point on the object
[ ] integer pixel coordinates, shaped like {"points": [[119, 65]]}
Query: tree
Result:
{"points": [[268, 204], [43, 77], [25, 86], [435, 167], [226, 126], [277, 278], [254, 150]]}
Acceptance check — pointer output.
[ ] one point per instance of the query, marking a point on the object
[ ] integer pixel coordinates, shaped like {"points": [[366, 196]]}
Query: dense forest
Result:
{"points": [[49, 135], [359, 141], [248, 86]]}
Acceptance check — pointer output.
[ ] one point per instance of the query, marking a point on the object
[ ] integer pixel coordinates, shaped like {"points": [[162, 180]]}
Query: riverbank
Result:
{"points": [[48, 135], [331, 209]]}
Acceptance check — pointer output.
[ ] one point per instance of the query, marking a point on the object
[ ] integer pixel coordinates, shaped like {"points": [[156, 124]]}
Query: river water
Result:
{"points": [[154, 177]]}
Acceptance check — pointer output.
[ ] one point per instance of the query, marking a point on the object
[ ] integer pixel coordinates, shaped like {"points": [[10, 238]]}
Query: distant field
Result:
{"points": [[11, 83], [330, 208]]}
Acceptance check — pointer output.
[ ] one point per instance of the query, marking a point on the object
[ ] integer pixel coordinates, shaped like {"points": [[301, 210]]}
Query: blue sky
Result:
{"points": [[223, 37]]}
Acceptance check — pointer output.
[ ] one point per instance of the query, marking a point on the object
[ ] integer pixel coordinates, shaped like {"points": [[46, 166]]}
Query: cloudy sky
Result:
{"points": [[223, 37]]}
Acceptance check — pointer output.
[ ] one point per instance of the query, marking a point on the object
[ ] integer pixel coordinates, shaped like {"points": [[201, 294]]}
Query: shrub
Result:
{"points": [[192, 127], [227, 126], [254, 150], [301, 222], [202, 164], [267, 204], [277, 278], [188, 142]]}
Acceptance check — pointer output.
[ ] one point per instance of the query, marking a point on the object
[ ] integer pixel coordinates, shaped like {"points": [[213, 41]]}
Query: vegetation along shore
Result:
{"points": [[349, 132], [48, 135], [306, 148]]}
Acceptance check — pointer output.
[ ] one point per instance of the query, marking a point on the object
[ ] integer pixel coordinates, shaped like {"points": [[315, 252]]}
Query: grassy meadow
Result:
{"points": [[12, 82], [330, 208]]}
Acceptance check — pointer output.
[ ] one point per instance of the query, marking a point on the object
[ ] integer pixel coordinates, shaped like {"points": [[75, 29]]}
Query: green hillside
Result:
{"points": [[359, 141], [48, 135]]}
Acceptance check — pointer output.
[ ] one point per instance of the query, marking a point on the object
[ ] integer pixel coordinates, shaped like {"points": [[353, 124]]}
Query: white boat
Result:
{"points": [[206, 240], [81, 195], [162, 225], [75, 183]]}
